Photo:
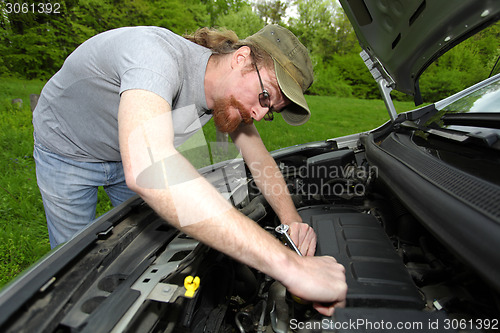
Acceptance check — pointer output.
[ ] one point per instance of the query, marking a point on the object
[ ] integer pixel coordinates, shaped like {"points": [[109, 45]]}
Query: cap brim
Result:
{"points": [[296, 113]]}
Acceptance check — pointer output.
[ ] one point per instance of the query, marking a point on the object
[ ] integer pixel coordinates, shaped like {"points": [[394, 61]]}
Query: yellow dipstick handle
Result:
{"points": [[191, 284]]}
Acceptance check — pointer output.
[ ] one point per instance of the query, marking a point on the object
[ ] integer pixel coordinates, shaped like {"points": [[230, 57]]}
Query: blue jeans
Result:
{"points": [[69, 191]]}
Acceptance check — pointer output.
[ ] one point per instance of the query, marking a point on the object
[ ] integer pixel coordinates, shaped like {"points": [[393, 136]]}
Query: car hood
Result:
{"points": [[405, 37]]}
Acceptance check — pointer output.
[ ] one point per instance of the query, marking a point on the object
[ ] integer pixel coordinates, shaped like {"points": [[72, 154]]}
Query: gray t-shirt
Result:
{"points": [[76, 115]]}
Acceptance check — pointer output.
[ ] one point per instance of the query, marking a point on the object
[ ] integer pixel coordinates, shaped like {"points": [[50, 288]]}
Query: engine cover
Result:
{"points": [[375, 274]]}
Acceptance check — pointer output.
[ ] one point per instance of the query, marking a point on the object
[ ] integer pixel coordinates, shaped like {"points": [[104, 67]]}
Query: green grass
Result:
{"points": [[331, 117], [23, 232]]}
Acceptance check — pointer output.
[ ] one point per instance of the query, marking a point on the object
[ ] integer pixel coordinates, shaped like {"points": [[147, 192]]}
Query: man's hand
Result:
{"points": [[320, 279], [304, 237]]}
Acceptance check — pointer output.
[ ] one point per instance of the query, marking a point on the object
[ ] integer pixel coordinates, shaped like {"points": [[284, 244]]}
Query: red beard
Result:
{"points": [[227, 121]]}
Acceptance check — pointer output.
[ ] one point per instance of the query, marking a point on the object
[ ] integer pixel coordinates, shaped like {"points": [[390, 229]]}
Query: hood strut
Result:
{"points": [[384, 81]]}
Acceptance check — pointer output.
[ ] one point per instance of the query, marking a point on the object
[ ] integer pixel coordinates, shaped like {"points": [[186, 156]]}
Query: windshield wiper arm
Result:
{"points": [[475, 119]]}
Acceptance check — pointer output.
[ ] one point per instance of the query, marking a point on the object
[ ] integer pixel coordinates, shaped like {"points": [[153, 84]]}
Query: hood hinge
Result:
{"points": [[384, 81]]}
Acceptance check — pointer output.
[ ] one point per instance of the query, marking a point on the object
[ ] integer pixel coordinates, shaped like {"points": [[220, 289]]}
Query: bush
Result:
{"points": [[328, 82], [355, 74]]}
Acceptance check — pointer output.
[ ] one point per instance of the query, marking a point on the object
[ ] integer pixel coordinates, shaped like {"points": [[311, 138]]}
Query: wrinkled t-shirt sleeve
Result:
{"points": [[149, 65], [146, 79]]}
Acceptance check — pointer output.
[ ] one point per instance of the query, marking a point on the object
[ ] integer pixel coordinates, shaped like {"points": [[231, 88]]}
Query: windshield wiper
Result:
{"points": [[475, 119]]}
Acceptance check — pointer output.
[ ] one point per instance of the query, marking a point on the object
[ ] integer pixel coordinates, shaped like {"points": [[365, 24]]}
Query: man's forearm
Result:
{"points": [[319, 279], [270, 181], [195, 207], [175, 190]]}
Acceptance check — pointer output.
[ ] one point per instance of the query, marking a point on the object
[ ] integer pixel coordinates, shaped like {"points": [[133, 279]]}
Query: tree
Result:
{"points": [[345, 41], [30, 39], [272, 11], [218, 8], [34, 45], [243, 22], [464, 65], [314, 27], [324, 29]]}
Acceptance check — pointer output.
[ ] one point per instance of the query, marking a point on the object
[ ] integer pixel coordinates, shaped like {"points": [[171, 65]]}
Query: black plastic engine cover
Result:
{"points": [[375, 274]]}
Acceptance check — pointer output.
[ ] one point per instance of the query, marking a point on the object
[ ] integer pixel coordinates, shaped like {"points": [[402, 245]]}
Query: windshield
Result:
{"points": [[465, 131], [477, 113], [486, 99]]}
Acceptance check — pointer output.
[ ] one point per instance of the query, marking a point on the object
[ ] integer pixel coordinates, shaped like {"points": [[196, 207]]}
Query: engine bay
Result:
{"points": [[396, 270], [132, 277], [400, 276]]}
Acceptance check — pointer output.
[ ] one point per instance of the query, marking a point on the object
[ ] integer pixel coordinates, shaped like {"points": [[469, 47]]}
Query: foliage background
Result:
{"points": [[34, 45]]}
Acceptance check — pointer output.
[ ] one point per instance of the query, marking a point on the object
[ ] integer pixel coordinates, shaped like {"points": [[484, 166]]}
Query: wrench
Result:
{"points": [[283, 230]]}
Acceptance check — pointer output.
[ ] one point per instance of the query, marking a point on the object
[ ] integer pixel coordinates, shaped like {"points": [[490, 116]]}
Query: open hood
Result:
{"points": [[401, 39]]}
